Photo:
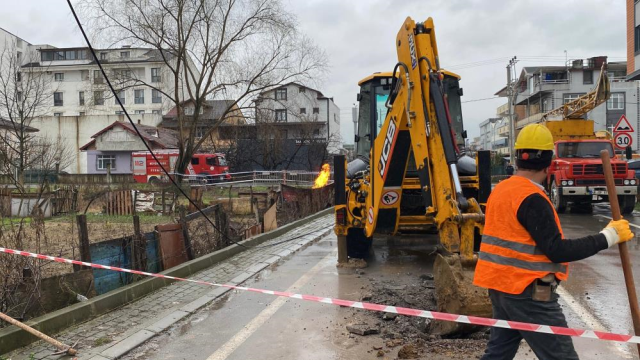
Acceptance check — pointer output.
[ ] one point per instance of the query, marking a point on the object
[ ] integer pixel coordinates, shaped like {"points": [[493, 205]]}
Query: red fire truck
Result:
{"points": [[202, 168]]}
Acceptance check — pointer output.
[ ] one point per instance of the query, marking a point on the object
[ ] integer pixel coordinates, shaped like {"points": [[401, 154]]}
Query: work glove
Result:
{"points": [[617, 231]]}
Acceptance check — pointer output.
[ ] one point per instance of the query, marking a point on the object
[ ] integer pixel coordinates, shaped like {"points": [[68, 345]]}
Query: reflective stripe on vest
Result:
{"points": [[526, 265], [522, 248]]}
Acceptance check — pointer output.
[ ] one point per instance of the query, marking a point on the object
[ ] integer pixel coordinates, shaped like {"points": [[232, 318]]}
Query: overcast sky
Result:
{"points": [[476, 39]]}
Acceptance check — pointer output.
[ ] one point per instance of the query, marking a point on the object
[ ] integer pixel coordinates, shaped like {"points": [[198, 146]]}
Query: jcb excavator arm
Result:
{"points": [[418, 120]]}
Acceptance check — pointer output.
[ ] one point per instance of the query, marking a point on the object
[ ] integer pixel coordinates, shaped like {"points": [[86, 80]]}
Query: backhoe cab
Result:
{"points": [[411, 173]]}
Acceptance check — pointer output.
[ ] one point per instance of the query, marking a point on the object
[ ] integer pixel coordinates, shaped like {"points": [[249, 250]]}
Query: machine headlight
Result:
{"points": [[626, 182], [633, 182], [570, 182], [564, 183]]}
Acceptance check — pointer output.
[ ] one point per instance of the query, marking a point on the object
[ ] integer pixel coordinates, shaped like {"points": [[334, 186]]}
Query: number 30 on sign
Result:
{"points": [[622, 140]]}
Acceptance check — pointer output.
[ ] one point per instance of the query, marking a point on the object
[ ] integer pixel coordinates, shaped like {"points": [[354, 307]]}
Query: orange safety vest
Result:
{"points": [[509, 259]]}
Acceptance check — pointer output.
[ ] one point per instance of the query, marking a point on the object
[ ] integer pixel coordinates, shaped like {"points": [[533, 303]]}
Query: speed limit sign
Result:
{"points": [[622, 140]]}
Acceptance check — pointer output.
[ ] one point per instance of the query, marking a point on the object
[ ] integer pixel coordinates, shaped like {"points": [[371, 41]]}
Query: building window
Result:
{"points": [[19, 96], [58, 55], [59, 76], [302, 89], [124, 54], [157, 112], [139, 96], [316, 110], [587, 76], [19, 58], [120, 112], [106, 162], [316, 132], [201, 131], [569, 97], [97, 77], [139, 112], [82, 113], [303, 110], [48, 55], [57, 114], [637, 39], [57, 99], [98, 98], [18, 76], [281, 115], [156, 98], [81, 97], [188, 111], [122, 74], [155, 75], [281, 94], [122, 97], [616, 101], [103, 56]]}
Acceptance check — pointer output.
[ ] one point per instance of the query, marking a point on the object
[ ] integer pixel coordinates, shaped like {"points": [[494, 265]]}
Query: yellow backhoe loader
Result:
{"points": [[411, 172]]}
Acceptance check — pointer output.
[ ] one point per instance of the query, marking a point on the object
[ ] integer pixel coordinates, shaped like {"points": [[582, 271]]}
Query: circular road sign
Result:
{"points": [[622, 140]]}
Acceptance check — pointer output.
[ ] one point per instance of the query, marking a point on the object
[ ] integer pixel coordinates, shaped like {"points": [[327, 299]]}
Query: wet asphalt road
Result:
{"points": [[248, 326]]}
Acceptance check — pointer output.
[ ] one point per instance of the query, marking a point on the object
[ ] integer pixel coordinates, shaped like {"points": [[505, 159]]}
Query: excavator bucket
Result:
{"points": [[456, 294]]}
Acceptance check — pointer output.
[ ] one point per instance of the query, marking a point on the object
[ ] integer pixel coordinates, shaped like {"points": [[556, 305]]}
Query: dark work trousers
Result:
{"points": [[504, 343]]}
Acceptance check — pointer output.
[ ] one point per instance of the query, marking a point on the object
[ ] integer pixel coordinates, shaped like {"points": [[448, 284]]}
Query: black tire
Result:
{"points": [[358, 245], [628, 204], [154, 180], [558, 200]]}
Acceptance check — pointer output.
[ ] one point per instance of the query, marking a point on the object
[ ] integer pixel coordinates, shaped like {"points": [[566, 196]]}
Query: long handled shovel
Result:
{"points": [[64, 349], [624, 250]]}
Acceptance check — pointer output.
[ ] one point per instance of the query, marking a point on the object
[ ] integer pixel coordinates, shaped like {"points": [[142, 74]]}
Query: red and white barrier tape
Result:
{"points": [[464, 319]]}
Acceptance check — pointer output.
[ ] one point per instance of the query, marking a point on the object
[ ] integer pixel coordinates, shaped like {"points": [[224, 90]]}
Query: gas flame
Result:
{"points": [[323, 177]]}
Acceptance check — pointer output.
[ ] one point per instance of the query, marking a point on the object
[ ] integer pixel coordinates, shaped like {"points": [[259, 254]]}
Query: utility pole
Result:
{"points": [[354, 117], [511, 95]]}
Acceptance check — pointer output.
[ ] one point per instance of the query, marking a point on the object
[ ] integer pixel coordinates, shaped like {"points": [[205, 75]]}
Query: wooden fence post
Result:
{"points": [[139, 246], [185, 232], [83, 237], [163, 201]]}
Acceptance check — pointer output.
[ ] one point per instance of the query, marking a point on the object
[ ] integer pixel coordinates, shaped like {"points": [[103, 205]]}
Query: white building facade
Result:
{"points": [[303, 113], [79, 88]]}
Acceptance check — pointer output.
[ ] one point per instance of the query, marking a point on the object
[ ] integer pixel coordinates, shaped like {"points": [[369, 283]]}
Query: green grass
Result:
{"points": [[117, 219], [102, 340]]}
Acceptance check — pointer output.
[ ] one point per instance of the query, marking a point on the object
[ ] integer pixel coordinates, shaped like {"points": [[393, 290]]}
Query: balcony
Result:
{"points": [[502, 110], [533, 119]]}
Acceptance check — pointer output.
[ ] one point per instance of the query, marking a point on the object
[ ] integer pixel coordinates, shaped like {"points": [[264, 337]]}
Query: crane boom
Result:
{"points": [[577, 108]]}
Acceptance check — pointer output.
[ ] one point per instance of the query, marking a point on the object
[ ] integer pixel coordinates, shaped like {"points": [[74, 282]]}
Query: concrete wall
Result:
{"points": [[76, 131]]}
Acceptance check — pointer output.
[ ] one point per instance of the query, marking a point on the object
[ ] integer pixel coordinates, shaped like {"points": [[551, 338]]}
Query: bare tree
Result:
{"points": [[212, 49], [26, 92]]}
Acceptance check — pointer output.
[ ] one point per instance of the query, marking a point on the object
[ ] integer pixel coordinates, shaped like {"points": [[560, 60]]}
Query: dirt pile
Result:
{"points": [[405, 337]]}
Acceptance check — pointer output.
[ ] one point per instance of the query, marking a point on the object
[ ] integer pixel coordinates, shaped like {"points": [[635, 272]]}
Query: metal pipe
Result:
{"points": [[456, 178]]}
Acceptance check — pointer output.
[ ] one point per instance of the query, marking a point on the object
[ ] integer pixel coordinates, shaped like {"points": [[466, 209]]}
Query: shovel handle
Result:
{"points": [[624, 250]]}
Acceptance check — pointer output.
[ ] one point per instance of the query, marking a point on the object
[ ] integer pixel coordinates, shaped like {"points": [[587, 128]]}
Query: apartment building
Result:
{"points": [[492, 135], [633, 39], [79, 87], [300, 113]]}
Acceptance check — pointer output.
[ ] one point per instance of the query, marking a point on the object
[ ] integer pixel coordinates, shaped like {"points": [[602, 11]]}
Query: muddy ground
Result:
{"points": [[406, 285]]}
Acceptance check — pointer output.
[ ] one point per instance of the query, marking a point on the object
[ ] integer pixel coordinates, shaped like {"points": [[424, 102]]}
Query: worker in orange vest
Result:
{"points": [[524, 255]]}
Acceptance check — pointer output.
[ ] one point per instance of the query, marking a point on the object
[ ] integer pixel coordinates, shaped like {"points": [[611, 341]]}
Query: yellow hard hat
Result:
{"points": [[535, 137]]}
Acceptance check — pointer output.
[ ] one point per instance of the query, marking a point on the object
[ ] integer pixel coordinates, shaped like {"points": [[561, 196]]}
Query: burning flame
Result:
{"points": [[323, 177]]}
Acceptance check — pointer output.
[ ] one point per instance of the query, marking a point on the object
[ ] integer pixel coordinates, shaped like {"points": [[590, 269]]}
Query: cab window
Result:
{"points": [[211, 161], [195, 161]]}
